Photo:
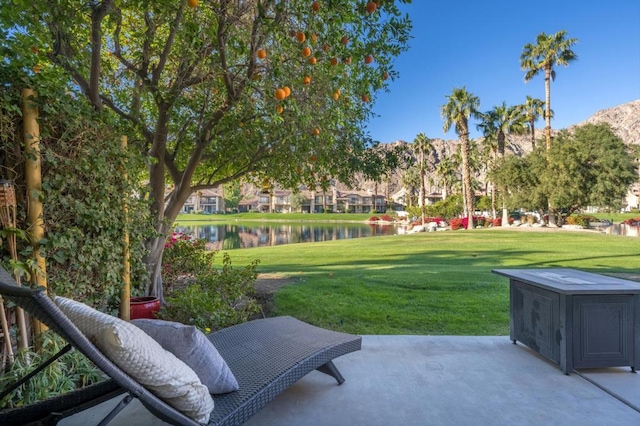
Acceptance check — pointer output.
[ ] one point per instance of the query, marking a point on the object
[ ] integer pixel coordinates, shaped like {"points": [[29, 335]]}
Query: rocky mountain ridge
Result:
{"points": [[624, 120]]}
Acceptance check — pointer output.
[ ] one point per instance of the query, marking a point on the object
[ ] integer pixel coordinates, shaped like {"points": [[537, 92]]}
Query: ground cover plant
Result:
{"points": [[426, 283]]}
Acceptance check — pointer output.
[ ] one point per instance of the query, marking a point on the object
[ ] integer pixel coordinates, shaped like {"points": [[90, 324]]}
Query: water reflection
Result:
{"points": [[236, 236], [623, 229]]}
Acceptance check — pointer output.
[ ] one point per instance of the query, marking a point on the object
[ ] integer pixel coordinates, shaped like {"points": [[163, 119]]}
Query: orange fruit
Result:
{"points": [[371, 7], [192, 3], [365, 98], [313, 60], [313, 157], [262, 53], [306, 80], [315, 6], [368, 59], [385, 75], [34, 49], [347, 60], [344, 40], [300, 37], [287, 91], [326, 47], [336, 95], [334, 61], [37, 68], [314, 38], [279, 109], [316, 131], [306, 52], [279, 95]]}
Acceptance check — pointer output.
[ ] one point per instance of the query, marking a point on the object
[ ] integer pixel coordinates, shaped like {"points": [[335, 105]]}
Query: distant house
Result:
{"points": [[317, 201], [207, 201]]}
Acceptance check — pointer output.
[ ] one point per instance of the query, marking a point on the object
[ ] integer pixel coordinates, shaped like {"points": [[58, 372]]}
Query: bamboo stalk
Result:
{"points": [[125, 293], [8, 221], [33, 178], [8, 354]]}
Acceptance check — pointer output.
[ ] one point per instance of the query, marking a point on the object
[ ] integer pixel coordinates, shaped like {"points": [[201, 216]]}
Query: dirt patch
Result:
{"points": [[266, 285]]}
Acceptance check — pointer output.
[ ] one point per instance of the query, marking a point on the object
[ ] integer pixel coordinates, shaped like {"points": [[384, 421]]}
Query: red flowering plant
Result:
{"points": [[633, 221]]}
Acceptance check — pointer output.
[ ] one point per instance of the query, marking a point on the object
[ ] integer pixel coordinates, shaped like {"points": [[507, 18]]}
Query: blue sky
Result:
{"points": [[477, 44]]}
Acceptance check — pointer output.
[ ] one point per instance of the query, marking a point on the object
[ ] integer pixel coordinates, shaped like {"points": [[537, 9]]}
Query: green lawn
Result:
{"points": [[617, 217], [427, 283]]}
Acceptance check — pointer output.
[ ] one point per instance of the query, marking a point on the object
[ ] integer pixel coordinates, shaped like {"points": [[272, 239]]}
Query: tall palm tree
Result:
{"points": [[549, 51], [533, 109], [422, 147], [497, 124], [460, 106]]}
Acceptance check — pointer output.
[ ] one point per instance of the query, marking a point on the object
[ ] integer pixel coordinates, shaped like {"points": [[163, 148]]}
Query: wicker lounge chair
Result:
{"points": [[266, 356]]}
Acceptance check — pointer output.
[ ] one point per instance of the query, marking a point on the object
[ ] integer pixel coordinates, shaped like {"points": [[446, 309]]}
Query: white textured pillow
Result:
{"points": [[142, 358], [192, 347]]}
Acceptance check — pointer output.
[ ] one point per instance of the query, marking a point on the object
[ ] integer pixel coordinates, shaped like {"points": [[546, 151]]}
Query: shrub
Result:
{"points": [[374, 219], [580, 219], [83, 193], [200, 294], [497, 221], [386, 218], [456, 223]]}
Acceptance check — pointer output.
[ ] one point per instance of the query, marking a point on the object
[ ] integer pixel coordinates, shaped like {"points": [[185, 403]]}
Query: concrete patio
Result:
{"points": [[439, 380]]}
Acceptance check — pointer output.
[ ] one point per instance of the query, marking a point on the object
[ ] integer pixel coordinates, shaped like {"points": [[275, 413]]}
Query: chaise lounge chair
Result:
{"points": [[266, 356]]}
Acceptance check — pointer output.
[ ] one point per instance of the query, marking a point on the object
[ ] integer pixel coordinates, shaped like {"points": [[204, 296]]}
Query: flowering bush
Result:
{"points": [[386, 218], [201, 294], [633, 222], [457, 223], [374, 219]]}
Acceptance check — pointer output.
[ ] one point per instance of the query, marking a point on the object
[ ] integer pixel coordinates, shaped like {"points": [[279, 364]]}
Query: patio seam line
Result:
{"points": [[610, 392]]}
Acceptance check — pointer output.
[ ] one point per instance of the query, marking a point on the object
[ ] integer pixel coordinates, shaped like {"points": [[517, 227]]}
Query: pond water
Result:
{"points": [[622, 229], [230, 236]]}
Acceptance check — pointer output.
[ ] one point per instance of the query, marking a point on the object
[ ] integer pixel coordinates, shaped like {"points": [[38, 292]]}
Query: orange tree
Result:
{"points": [[200, 85]]}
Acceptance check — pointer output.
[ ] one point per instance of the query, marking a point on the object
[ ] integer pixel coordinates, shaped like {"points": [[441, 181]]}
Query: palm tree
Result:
{"points": [[533, 109], [498, 123], [549, 51], [409, 181], [461, 105], [446, 171], [423, 145], [490, 154]]}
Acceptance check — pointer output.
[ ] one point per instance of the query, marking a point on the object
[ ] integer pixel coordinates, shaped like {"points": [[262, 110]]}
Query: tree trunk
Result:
{"points": [[532, 123], [493, 200], [422, 189], [466, 178], [547, 107]]}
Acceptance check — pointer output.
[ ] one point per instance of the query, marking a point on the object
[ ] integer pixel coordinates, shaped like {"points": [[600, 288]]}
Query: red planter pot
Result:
{"points": [[144, 307]]}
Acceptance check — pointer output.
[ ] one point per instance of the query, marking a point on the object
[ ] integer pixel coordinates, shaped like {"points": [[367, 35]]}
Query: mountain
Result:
{"points": [[624, 120]]}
